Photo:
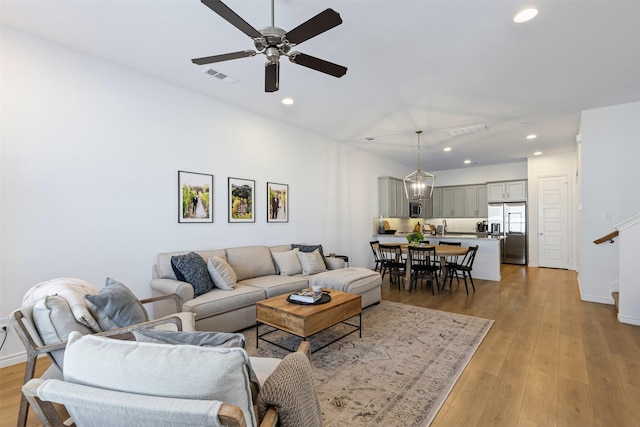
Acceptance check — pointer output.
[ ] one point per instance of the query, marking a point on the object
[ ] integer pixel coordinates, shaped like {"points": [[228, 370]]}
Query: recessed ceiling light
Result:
{"points": [[446, 149], [537, 153], [532, 136], [466, 162], [287, 101], [525, 15]]}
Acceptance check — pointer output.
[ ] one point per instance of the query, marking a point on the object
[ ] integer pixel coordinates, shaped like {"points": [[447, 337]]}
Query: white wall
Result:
{"points": [[89, 159], [545, 166], [610, 171]]}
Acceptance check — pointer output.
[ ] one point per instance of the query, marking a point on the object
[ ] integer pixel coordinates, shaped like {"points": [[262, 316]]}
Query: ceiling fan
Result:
{"points": [[274, 42]]}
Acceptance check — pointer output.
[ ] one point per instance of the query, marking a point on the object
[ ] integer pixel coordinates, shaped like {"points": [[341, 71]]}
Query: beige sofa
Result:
{"points": [[257, 279]]}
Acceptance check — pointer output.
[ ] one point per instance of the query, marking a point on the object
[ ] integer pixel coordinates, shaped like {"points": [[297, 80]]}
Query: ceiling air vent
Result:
{"points": [[467, 130], [220, 76]]}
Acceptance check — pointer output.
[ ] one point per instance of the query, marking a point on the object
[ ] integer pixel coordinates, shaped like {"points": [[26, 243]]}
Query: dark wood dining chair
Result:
{"points": [[465, 266], [392, 262], [423, 266], [375, 247]]}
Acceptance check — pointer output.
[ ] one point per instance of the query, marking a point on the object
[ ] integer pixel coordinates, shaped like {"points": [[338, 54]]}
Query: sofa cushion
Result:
{"points": [[277, 285], [165, 271], [250, 261], [194, 269], [221, 273], [205, 339], [54, 322], [310, 248], [116, 306], [287, 262], [180, 371], [218, 301], [311, 262], [355, 280]]}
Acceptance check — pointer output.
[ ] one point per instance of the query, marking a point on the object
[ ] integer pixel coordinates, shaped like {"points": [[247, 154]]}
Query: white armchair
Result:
{"points": [[122, 383], [43, 328]]}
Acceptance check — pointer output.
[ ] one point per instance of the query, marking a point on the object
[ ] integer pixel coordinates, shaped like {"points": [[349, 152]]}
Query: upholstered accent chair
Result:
{"points": [[113, 383], [47, 318]]}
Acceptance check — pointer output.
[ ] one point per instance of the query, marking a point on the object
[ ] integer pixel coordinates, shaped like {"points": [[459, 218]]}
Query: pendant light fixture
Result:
{"points": [[419, 184]]}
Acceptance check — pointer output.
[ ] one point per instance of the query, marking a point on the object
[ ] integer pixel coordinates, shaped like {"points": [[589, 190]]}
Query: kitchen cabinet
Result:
{"points": [[452, 202], [436, 203], [475, 201], [392, 199], [509, 191]]}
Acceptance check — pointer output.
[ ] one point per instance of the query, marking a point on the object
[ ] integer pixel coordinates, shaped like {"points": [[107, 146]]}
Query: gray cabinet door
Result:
{"points": [[483, 206], [437, 203]]}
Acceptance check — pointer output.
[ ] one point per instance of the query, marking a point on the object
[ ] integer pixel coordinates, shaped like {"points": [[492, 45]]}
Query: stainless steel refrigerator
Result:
{"points": [[509, 221]]}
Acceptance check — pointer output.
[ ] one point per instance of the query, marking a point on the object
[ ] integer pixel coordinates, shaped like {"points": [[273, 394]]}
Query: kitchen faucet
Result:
{"points": [[444, 226]]}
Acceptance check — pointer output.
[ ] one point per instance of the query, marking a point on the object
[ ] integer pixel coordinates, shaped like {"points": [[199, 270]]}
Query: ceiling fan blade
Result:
{"points": [[272, 76], [318, 64], [223, 57], [230, 16], [320, 23]]}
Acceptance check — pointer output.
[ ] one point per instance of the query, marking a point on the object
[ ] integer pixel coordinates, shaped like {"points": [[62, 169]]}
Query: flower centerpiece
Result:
{"points": [[415, 238]]}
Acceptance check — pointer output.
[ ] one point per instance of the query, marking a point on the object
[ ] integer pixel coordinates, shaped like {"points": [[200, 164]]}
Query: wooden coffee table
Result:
{"points": [[307, 320]]}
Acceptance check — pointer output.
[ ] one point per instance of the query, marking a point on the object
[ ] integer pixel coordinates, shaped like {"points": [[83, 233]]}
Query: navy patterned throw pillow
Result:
{"points": [[194, 270]]}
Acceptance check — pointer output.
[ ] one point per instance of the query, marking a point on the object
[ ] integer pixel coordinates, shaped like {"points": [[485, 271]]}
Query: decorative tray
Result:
{"points": [[325, 298]]}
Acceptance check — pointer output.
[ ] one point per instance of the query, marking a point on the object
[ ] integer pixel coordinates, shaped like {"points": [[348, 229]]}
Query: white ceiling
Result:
{"points": [[429, 65]]}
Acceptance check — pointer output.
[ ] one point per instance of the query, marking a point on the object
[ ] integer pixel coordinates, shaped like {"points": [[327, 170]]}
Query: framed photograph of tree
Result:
{"points": [[195, 197], [242, 200], [277, 202]]}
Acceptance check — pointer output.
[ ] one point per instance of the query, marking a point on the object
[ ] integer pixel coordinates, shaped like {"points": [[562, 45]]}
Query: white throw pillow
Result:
{"points": [[221, 273], [288, 262], [311, 262]]}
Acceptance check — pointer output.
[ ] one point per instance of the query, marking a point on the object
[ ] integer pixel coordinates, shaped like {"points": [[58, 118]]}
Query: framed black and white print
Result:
{"points": [[195, 197], [277, 202], [242, 200]]}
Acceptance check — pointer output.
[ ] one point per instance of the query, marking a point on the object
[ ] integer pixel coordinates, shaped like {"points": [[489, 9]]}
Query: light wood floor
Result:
{"points": [[548, 360]]}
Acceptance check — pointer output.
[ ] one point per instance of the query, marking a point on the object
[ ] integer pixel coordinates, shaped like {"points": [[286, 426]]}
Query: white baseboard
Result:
{"points": [[630, 320], [601, 300], [13, 359]]}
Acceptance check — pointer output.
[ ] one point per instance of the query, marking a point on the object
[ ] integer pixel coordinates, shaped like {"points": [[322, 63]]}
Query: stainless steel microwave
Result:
{"points": [[415, 209]]}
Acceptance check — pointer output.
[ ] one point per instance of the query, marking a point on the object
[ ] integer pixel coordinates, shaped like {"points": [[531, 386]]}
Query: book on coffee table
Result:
{"points": [[305, 296]]}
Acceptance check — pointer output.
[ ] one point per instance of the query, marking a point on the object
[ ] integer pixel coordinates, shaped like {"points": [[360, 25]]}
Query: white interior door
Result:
{"points": [[553, 221]]}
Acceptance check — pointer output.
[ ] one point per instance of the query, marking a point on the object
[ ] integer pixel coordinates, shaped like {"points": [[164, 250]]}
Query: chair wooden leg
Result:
{"points": [[472, 285], [464, 276], [24, 403]]}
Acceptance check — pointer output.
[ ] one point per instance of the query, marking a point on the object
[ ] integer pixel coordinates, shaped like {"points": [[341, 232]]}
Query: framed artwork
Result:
{"points": [[241, 200], [195, 197], [277, 202]]}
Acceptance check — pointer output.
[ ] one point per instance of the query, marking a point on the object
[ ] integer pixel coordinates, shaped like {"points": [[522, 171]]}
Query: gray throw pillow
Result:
{"points": [[54, 321], [208, 339], [310, 248], [116, 306], [194, 270]]}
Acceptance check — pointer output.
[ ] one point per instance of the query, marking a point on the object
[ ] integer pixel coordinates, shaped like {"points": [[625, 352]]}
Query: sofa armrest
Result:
{"points": [[335, 263], [170, 286]]}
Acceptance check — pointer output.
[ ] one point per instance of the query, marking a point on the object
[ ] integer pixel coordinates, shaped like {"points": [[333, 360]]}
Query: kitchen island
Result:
{"points": [[487, 263]]}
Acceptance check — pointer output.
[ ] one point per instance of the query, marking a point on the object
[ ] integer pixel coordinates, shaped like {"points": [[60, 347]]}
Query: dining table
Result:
{"points": [[442, 251]]}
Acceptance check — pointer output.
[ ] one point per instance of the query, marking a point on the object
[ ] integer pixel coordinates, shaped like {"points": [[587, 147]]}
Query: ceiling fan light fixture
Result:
{"points": [[419, 184]]}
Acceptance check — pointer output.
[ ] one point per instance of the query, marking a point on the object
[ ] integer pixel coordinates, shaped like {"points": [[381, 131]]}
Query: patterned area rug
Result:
{"points": [[398, 374]]}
